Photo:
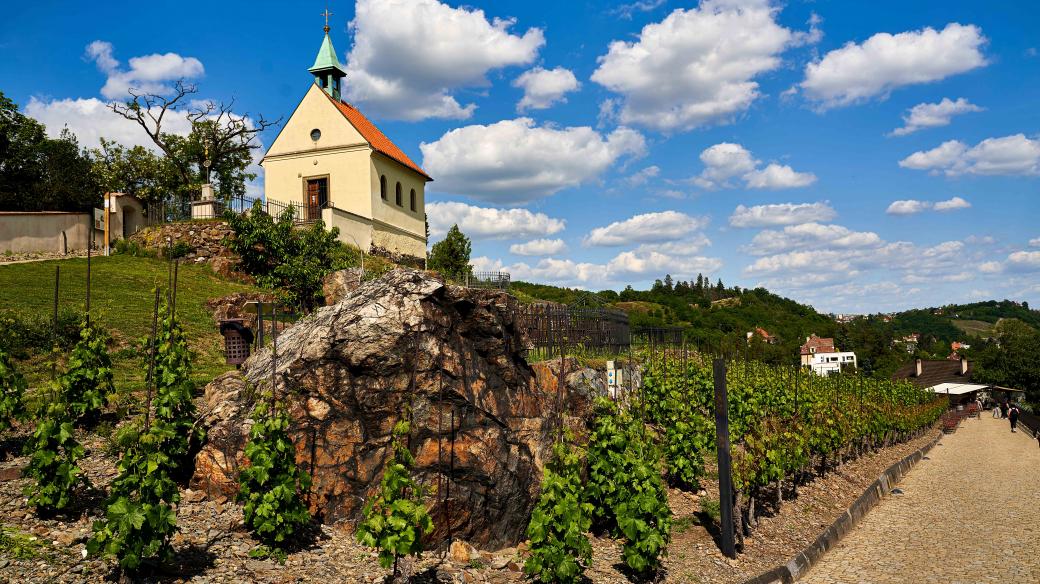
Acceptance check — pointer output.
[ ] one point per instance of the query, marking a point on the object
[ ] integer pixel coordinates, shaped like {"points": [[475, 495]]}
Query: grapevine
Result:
{"points": [[12, 388], [55, 454], [87, 382]]}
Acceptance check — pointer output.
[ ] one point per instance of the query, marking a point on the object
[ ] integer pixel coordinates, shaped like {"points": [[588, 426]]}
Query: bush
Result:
{"points": [[174, 390], [395, 521], [87, 382], [54, 455], [625, 486], [132, 248], [139, 516], [270, 486], [179, 250], [12, 388], [559, 547]]}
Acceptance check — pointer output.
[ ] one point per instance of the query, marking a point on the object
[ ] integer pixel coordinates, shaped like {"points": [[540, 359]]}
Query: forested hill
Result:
{"points": [[962, 321], [712, 314]]}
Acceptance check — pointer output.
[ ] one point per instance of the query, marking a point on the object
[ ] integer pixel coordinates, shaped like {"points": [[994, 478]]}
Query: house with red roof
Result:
{"points": [[332, 163]]}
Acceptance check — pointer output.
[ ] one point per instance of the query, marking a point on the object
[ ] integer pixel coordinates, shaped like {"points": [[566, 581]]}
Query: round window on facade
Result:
{"points": [[315, 134]]}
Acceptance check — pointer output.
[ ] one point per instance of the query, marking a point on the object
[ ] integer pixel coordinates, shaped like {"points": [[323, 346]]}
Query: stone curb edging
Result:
{"points": [[800, 564]]}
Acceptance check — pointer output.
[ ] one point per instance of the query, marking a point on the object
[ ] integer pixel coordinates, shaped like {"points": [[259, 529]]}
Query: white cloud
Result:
{"points": [[991, 267], [640, 178], [781, 214], [409, 56], [515, 161], [811, 236], [1010, 155], [1025, 261], [697, 66], [646, 228], [539, 247], [1035, 242], [951, 204], [90, 119], [858, 72], [147, 74], [626, 11], [490, 223], [934, 115], [726, 161], [544, 87], [912, 206], [654, 263]]}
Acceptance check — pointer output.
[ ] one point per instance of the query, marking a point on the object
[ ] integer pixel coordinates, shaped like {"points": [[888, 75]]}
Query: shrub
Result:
{"points": [[132, 248], [270, 486], [21, 333], [625, 486], [559, 547], [395, 521], [54, 454], [139, 516], [12, 388], [173, 392], [179, 250], [87, 382]]}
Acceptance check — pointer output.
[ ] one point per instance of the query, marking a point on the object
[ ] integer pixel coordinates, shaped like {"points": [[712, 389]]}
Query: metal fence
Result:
{"points": [[488, 280], [550, 327], [658, 336], [174, 211]]}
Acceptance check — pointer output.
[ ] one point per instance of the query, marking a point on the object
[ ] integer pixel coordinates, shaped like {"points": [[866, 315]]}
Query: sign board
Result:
{"points": [[99, 219], [613, 379]]}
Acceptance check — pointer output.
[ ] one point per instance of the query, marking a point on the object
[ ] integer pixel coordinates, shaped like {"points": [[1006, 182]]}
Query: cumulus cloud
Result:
{"points": [[884, 62], [727, 161], [490, 223], [516, 161], [781, 214], [1025, 261], [811, 235], [1010, 155], [409, 56], [991, 267], [935, 261], [626, 11], [539, 247], [913, 206], [90, 119], [147, 74], [1035, 242], [646, 228], [697, 66], [643, 176], [934, 115], [544, 87]]}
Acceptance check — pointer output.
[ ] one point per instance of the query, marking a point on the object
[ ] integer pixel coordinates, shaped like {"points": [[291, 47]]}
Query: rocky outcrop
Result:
{"points": [[483, 419], [204, 239], [233, 305], [337, 285]]}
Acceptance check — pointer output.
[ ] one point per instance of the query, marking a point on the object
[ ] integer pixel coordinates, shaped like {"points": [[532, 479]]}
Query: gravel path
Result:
{"points": [[969, 513]]}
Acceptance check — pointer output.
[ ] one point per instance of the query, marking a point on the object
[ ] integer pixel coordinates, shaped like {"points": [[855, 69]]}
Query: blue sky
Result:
{"points": [[856, 156]]}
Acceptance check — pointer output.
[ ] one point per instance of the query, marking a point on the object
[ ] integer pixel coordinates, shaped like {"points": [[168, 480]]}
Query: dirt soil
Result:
{"points": [[213, 546]]}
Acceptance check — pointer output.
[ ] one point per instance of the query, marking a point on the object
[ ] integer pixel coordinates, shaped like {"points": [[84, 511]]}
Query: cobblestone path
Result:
{"points": [[969, 514]]}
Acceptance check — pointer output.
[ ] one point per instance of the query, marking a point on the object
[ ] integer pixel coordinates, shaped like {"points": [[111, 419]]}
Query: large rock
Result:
{"points": [[349, 371], [337, 285]]}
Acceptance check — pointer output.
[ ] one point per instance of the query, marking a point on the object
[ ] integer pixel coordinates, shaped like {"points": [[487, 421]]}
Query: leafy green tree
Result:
{"points": [[1012, 361], [396, 519], [55, 455], [139, 515], [12, 388], [270, 486], [87, 381], [559, 547], [450, 256], [38, 173], [135, 171]]}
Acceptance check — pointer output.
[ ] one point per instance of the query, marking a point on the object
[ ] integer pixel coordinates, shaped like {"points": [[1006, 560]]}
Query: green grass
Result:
{"points": [[122, 300], [974, 327]]}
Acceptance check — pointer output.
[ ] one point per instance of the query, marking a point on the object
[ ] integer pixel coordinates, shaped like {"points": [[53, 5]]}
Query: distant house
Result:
{"points": [[762, 334], [947, 377], [957, 346], [820, 355], [909, 342]]}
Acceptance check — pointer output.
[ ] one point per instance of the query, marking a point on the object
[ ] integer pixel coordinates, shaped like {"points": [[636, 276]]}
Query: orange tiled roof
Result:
{"points": [[374, 136], [822, 345]]}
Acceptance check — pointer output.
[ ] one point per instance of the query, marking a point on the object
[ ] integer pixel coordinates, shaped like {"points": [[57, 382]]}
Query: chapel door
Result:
{"points": [[317, 197]]}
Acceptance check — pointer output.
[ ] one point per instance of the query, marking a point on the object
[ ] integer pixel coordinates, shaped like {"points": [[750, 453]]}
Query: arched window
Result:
{"points": [[411, 199], [397, 195], [382, 187]]}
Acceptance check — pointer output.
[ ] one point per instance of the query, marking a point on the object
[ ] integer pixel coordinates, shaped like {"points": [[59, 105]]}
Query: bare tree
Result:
{"points": [[218, 134]]}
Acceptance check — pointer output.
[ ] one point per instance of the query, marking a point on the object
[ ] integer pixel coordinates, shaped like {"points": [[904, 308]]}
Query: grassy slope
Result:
{"points": [[122, 299], [974, 327]]}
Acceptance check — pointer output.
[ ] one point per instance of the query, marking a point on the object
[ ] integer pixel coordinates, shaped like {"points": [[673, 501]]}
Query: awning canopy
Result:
{"points": [[957, 388]]}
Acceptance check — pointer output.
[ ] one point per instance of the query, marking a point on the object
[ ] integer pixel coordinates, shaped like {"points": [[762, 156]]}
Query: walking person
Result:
{"points": [[1013, 413], [1004, 409]]}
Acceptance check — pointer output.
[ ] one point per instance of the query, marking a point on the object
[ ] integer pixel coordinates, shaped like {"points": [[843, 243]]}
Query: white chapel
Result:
{"points": [[336, 165]]}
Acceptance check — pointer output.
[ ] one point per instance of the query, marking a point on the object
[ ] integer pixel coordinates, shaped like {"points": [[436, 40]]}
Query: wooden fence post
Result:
{"points": [[725, 460]]}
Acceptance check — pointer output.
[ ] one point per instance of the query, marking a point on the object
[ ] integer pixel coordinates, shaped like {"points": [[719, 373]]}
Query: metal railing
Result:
{"points": [[174, 211], [487, 280], [550, 327]]}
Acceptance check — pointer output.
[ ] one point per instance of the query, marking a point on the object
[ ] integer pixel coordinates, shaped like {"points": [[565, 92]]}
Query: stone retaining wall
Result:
{"points": [[204, 238]]}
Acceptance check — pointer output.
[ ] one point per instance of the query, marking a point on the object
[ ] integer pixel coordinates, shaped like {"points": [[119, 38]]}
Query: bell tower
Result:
{"points": [[327, 70]]}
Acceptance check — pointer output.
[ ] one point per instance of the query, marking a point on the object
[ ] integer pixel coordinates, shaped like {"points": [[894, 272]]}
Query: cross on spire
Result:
{"points": [[326, 14]]}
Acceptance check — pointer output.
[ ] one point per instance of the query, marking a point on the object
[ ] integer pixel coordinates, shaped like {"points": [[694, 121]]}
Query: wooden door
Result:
{"points": [[317, 197]]}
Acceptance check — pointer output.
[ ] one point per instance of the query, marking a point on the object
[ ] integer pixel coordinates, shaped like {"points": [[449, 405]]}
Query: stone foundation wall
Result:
{"points": [[204, 238]]}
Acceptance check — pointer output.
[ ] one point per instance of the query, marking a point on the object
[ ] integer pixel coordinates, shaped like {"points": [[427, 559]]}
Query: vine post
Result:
{"points": [[150, 379], [729, 548]]}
